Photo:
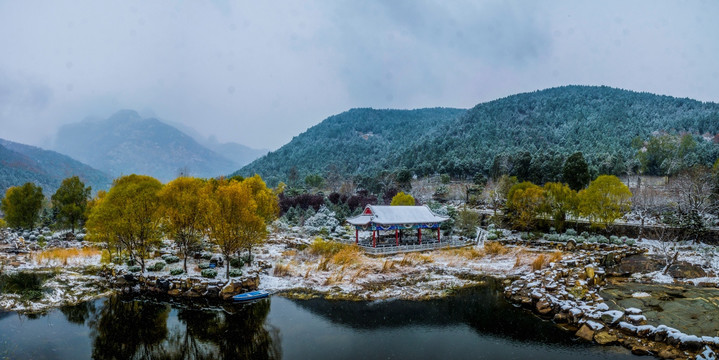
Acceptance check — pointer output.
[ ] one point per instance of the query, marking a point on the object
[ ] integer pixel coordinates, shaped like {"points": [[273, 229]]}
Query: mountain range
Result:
{"points": [[529, 135], [127, 143], [23, 163]]}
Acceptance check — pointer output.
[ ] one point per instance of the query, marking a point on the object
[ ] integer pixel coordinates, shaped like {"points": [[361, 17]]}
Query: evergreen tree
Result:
{"points": [[70, 202], [576, 172]]}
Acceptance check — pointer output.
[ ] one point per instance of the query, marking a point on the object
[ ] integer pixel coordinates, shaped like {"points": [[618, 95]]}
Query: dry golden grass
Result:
{"points": [[359, 273], [495, 248], [469, 252], [336, 277], [518, 262], [556, 256], [281, 270], [64, 256], [411, 259], [388, 266], [289, 253], [348, 255], [323, 265], [538, 262], [307, 274], [327, 248]]}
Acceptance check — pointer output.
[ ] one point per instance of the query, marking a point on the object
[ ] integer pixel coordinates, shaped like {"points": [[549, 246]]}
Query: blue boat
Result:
{"points": [[252, 295]]}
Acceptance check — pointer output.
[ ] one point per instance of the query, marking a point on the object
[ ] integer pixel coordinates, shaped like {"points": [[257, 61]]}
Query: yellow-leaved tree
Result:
{"points": [[402, 199], [524, 202], [604, 200], [129, 214], [237, 214], [559, 200], [181, 202]]}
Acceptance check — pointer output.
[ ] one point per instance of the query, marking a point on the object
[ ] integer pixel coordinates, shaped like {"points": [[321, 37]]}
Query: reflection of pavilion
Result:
{"points": [[387, 224]]}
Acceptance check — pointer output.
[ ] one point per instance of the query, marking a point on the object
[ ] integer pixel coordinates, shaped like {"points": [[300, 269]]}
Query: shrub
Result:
{"points": [[495, 248], [492, 236], [614, 239], [176, 272], [571, 232], [247, 258], [206, 255], [170, 259], [157, 266], [553, 237], [631, 242], [22, 282], [602, 239], [235, 272], [203, 266], [134, 268], [555, 256], [209, 273], [584, 234], [236, 262]]}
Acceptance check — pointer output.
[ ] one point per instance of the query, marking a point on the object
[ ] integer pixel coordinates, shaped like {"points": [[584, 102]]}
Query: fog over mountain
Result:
{"points": [[258, 74]]}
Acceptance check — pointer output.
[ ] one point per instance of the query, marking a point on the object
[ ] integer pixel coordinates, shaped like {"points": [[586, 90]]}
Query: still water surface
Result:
{"points": [[475, 324]]}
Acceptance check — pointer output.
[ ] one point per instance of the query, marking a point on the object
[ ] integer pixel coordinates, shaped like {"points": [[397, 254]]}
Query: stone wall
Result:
{"points": [[183, 286]]}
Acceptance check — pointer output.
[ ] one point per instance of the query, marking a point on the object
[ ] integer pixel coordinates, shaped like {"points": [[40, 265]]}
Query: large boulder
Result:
{"points": [[639, 263], [685, 270]]}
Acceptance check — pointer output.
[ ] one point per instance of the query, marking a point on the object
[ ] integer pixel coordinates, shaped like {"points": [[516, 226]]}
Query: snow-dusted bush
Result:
{"points": [[492, 236], [203, 266], [552, 237], [209, 273], [156, 266], [134, 268], [614, 240], [322, 221], [176, 271], [584, 234], [571, 232], [170, 259], [631, 242], [235, 272]]}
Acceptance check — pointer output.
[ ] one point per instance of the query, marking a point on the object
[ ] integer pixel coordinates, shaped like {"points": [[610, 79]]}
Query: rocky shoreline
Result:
{"points": [[568, 294]]}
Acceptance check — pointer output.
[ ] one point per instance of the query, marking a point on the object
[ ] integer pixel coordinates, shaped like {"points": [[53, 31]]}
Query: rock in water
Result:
{"points": [[585, 332]]}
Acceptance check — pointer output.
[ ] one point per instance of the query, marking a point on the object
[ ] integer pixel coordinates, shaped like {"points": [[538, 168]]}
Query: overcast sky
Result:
{"points": [[261, 72]]}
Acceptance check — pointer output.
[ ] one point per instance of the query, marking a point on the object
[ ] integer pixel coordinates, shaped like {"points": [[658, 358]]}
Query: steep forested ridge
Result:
{"points": [[358, 141], [528, 134], [23, 163], [126, 143]]}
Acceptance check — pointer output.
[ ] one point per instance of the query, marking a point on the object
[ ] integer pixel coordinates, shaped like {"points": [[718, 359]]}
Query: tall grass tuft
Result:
{"points": [[348, 255], [495, 248], [327, 248], [538, 262]]}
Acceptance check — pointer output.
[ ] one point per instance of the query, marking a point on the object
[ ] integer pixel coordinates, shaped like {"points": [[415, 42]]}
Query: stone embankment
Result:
{"points": [[182, 286], [568, 293]]}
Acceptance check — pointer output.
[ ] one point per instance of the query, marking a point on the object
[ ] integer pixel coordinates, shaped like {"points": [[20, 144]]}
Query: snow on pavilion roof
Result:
{"points": [[390, 215]]}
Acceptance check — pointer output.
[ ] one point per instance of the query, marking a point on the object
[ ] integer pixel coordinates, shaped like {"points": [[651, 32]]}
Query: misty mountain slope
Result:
{"points": [[126, 143], [354, 142], [23, 163], [238, 153], [536, 130]]}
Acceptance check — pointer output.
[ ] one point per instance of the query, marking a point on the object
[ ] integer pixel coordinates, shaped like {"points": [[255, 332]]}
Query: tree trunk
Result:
{"points": [[249, 255], [227, 260]]}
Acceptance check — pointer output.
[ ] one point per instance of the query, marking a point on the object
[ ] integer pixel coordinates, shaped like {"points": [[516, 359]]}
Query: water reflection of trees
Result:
{"points": [[135, 329], [483, 308]]}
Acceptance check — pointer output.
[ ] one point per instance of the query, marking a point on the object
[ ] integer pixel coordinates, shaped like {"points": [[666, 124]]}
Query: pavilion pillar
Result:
{"points": [[356, 236], [438, 240], [374, 239], [396, 236], [419, 235]]}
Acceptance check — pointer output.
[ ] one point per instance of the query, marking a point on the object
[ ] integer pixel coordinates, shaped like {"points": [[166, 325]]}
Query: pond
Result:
{"points": [[475, 323]]}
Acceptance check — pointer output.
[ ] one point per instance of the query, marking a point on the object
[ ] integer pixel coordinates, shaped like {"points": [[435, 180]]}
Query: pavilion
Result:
{"points": [[378, 218]]}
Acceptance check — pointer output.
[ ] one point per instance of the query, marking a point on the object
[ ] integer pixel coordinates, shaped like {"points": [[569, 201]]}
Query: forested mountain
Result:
{"points": [[355, 142], [528, 135], [23, 163], [126, 143]]}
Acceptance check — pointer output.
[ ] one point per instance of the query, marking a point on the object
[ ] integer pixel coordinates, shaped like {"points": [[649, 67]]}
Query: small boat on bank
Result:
{"points": [[252, 295]]}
